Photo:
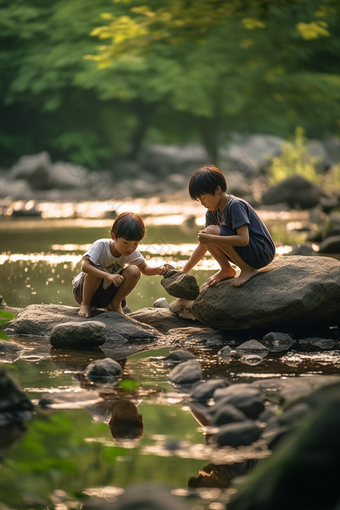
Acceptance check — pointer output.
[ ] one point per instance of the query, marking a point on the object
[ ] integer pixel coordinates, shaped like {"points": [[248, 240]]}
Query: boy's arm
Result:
{"points": [[240, 239], [88, 268], [196, 256], [152, 271]]}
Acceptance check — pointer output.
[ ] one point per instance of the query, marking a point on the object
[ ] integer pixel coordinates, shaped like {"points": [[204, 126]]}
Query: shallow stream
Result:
{"points": [[68, 454]]}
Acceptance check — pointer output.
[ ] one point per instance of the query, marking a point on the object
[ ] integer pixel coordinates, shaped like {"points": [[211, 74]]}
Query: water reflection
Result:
{"points": [[122, 416], [221, 476]]}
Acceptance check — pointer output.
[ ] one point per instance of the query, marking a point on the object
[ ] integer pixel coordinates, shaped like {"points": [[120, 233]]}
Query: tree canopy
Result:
{"points": [[171, 70]]}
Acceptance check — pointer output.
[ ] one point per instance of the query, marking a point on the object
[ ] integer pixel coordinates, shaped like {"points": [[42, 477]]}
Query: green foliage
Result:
{"points": [[294, 159], [5, 317], [129, 384], [163, 71]]}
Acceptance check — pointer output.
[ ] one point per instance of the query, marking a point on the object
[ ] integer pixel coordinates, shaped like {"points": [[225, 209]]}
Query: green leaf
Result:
{"points": [[129, 384]]}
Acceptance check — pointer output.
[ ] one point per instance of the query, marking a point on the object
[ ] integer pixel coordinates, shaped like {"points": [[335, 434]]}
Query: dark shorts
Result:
{"points": [[101, 298], [256, 254]]}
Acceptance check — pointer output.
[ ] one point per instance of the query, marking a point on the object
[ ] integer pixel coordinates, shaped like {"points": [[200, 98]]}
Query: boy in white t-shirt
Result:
{"points": [[105, 281]]}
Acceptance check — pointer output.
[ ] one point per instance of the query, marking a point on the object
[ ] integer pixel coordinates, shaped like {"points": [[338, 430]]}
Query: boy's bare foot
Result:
{"points": [[244, 277], [221, 275], [114, 308], [85, 311]]}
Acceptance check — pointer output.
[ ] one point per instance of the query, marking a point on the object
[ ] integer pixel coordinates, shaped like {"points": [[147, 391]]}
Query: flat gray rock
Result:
{"points": [[180, 284], [190, 335], [292, 292], [125, 335], [78, 335], [162, 319]]}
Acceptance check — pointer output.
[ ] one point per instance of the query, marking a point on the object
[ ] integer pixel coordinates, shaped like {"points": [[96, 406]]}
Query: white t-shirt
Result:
{"points": [[101, 257]]}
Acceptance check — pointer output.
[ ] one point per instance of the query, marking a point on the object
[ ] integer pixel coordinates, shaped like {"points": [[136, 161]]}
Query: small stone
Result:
{"points": [[188, 372], [252, 347], [215, 340], [179, 356], [227, 414], [224, 353], [251, 359], [321, 343], [103, 368], [278, 342], [126, 309], [161, 303], [205, 390], [78, 335], [180, 285], [244, 397], [237, 434]]}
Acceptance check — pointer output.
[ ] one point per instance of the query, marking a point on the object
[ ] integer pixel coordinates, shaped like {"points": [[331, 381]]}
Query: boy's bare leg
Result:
{"points": [[131, 276], [226, 270], [91, 284]]}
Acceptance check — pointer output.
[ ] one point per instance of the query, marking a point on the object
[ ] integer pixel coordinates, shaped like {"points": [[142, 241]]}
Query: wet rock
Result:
{"points": [[296, 191], [227, 414], [162, 319], [186, 373], [163, 159], [179, 356], [182, 307], [292, 292], [103, 368], [330, 245], [9, 347], [282, 390], [224, 353], [140, 497], [70, 399], [14, 405], [124, 334], [78, 335], [190, 335], [215, 340], [306, 462], [252, 347], [161, 303], [180, 285], [237, 434], [244, 397], [267, 415], [321, 343], [278, 342], [251, 359], [205, 390]]}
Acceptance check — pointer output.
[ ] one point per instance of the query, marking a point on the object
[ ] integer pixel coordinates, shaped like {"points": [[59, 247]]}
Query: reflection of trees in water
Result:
{"points": [[220, 476]]}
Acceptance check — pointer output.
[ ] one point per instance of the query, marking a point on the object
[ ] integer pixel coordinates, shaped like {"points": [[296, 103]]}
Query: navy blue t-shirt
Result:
{"points": [[261, 249]]}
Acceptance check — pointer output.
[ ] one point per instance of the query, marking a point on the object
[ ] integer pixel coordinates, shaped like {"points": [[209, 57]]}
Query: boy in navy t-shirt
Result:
{"points": [[233, 231]]}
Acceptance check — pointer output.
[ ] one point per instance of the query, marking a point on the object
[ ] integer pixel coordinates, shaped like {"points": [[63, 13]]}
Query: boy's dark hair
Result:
{"points": [[205, 181], [130, 226]]}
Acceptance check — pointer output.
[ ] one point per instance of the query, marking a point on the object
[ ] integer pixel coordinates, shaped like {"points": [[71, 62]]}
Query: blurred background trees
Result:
{"points": [[163, 71]]}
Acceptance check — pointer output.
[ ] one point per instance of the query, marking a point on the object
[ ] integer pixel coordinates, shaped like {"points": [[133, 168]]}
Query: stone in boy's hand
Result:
{"points": [[203, 237], [116, 279]]}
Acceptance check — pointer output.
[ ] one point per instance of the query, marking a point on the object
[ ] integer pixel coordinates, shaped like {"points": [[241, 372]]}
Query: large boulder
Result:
{"points": [[296, 191], [289, 293]]}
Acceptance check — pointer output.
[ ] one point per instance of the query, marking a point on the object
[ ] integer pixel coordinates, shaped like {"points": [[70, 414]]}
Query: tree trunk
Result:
{"points": [[144, 112]]}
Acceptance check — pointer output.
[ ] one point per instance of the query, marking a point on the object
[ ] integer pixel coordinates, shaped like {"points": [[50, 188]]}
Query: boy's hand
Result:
{"points": [[116, 279], [163, 269]]}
